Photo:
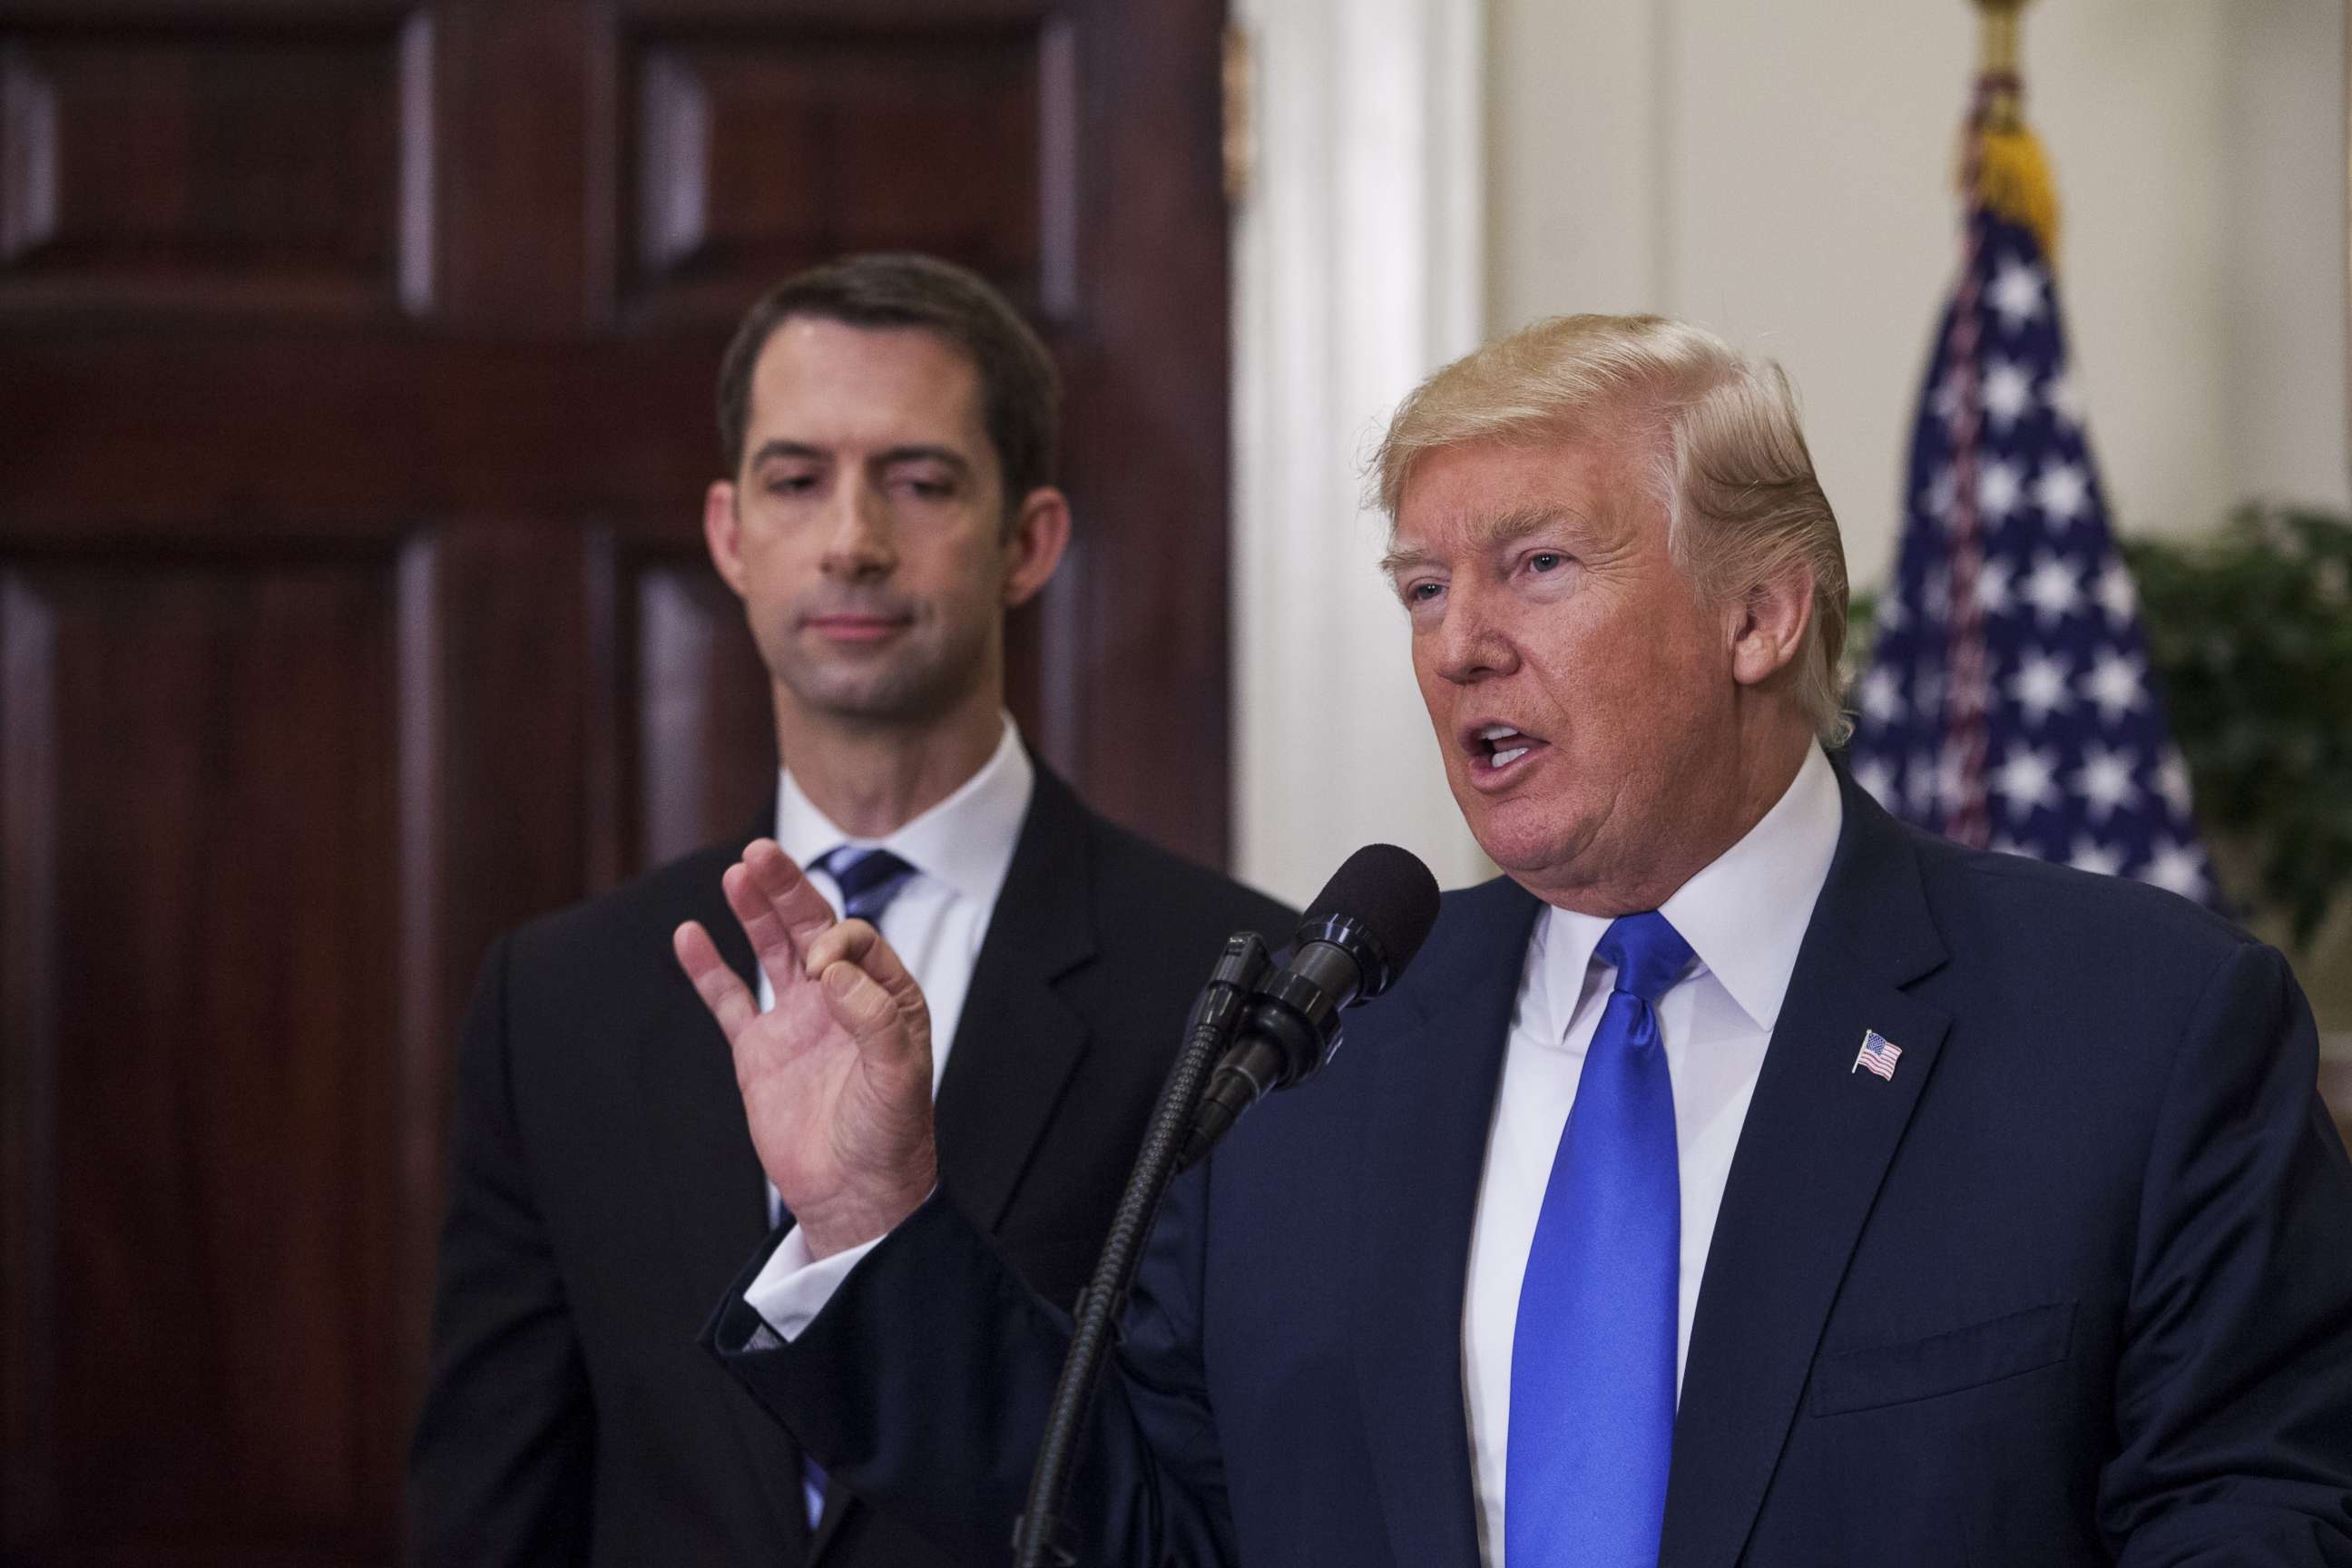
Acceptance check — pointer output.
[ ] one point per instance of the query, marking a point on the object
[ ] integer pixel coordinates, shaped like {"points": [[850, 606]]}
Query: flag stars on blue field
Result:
{"points": [[1882, 696], [1943, 488], [2028, 779], [2008, 393], [1993, 594], [2071, 759], [2054, 590], [2180, 868], [2000, 488], [2104, 781], [2117, 683], [2090, 855], [2017, 293], [2062, 492], [2041, 686]]}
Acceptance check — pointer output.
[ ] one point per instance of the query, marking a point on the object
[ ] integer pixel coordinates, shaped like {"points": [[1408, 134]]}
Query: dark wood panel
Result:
{"points": [[350, 578], [754, 152], [525, 165], [700, 746], [28, 994], [218, 1043], [268, 435], [201, 164], [511, 715], [1144, 634]]}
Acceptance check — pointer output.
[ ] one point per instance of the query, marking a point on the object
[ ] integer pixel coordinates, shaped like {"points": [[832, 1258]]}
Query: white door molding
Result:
{"points": [[1359, 268]]}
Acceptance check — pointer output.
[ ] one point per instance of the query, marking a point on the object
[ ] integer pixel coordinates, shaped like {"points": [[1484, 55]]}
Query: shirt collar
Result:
{"points": [[1743, 914], [965, 841]]}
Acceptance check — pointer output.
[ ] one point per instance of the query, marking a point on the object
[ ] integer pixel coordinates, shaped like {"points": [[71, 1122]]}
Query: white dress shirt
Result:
{"points": [[1744, 916]]}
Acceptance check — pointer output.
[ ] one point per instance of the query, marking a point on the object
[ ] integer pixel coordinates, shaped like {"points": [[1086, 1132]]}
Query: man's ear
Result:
{"points": [[1033, 544], [723, 531], [1770, 625]]}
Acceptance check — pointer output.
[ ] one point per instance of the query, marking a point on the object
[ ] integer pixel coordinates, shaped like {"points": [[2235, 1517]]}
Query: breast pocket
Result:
{"points": [[2005, 1346]]}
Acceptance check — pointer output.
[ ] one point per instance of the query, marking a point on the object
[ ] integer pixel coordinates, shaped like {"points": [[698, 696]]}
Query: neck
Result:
{"points": [[874, 777]]}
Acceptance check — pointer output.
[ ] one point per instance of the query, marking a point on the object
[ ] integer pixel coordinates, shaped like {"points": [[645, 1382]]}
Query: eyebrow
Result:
{"points": [[890, 457], [1485, 534]]}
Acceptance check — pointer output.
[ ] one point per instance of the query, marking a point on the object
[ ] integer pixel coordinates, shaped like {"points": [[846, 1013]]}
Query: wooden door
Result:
{"points": [[356, 366]]}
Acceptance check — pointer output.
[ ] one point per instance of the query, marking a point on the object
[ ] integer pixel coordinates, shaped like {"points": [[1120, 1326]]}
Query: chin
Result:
{"points": [[903, 694], [1517, 841]]}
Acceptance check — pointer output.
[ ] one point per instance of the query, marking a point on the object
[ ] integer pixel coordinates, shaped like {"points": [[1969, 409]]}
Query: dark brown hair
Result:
{"points": [[1020, 393]]}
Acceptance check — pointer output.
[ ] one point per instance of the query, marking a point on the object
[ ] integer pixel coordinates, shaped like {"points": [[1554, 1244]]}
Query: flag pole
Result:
{"points": [[1968, 696]]}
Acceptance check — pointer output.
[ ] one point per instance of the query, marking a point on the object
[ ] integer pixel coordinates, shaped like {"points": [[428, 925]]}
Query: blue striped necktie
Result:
{"points": [[1592, 1360], [868, 880]]}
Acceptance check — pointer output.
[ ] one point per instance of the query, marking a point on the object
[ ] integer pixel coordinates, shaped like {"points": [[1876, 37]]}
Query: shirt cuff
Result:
{"points": [[792, 1288]]}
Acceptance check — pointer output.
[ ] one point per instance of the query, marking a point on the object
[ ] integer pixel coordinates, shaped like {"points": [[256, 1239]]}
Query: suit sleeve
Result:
{"points": [[925, 1384], [498, 1468], [2233, 1399]]}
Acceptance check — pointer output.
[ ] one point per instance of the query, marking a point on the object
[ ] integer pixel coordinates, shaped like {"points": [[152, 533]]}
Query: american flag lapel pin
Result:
{"points": [[1877, 1054]]}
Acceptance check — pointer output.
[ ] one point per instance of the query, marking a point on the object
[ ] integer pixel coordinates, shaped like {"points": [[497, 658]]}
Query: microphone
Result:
{"points": [[1353, 942]]}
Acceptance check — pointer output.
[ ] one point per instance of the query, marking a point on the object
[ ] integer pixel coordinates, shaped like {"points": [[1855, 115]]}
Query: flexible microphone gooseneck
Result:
{"points": [[1356, 939], [1264, 1030]]}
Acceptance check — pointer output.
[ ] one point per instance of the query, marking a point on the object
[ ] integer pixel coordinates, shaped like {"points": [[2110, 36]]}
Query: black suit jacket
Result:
{"points": [[603, 1190], [2073, 1286]]}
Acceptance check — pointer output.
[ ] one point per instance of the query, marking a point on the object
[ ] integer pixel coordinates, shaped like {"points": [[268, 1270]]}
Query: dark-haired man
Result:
{"points": [[888, 425]]}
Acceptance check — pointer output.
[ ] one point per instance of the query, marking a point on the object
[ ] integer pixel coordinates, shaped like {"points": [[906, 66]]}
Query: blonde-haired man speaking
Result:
{"points": [[1742, 1177]]}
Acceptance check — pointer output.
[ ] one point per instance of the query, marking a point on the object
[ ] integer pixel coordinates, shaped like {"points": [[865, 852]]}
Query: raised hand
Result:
{"points": [[836, 1077]]}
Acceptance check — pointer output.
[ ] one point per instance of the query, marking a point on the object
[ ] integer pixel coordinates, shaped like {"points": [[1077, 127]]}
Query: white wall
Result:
{"points": [[1783, 174]]}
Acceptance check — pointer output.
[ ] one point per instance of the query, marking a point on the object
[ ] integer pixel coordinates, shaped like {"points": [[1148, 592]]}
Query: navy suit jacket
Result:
{"points": [[2074, 1287]]}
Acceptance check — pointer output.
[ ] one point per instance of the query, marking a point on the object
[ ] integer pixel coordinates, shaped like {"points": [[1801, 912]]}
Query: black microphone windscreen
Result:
{"points": [[1390, 892]]}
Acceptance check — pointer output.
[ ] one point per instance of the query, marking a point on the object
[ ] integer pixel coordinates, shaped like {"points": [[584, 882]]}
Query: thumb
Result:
{"points": [[862, 1007]]}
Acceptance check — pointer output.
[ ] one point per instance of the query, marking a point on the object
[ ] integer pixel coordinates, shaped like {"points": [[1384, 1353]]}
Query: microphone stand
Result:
{"points": [[1042, 1535]]}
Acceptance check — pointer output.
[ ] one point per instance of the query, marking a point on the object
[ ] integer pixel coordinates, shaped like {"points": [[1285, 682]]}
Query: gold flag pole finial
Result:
{"points": [[2004, 171], [1996, 60]]}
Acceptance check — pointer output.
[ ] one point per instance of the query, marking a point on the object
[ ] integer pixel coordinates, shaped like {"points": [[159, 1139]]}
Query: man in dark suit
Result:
{"points": [[1745, 1178], [888, 430]]}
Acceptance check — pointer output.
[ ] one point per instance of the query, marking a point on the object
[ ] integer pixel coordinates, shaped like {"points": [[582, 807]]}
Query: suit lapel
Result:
{"points": [[1816, 1144], [701, 1150], [1018, 1040], [1435, 1058]]}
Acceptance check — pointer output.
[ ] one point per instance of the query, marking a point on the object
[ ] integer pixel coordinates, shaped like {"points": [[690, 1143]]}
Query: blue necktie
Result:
{"points": [[1592, 1362], [868, 880]]}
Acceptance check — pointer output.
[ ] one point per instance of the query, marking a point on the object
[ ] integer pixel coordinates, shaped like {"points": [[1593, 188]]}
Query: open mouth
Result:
{"points": [[1495, 748]]}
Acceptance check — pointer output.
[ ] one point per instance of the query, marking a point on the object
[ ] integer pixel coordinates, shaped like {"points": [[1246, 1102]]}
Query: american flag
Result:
{"points": [[1877, 1054], [2007, 701]]}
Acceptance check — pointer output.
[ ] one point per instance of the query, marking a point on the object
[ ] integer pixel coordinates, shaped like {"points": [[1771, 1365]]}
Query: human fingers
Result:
{"points": [[794, 898], [722, 991], [868, 1013], [771, 939], [857, 943]]}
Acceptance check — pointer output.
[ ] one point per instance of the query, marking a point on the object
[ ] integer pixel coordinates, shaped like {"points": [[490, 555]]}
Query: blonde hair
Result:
{"points": [[1729, 459]]}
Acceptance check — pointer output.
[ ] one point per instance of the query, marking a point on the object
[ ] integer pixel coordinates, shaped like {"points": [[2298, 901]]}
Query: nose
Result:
{"points": [[858, 546], [1468, 643]]}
